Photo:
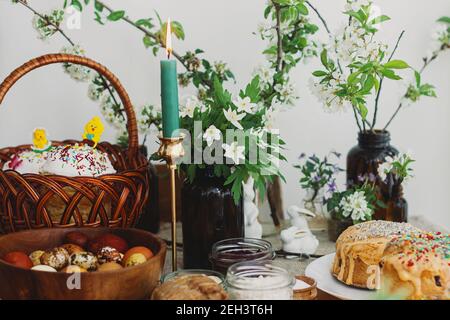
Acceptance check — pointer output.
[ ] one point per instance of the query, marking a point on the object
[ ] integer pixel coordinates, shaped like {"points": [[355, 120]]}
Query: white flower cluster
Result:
{"points": [[352, 43], [189, 105], [440, 38], [356, 5], [326, 94], [46, 27], [269, 118], [391, 165], [76, 72], [356, 206], [287, 92], [265, 74], [147, 116], [268, 30], [107, 107]]}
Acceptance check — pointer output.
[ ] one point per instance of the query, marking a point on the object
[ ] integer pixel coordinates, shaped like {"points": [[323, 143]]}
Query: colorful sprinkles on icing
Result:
{"points": [[423, 246], [380, 229], [85, 159]]}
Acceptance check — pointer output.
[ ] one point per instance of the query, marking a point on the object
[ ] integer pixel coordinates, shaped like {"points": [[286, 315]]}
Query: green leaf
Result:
{"points": [[444, 20], [319, 73], [116, 15], [396, 64], [252, 89], [418, 78], [267, 11], [148, 42], [177, 30], [368, 84], [145, 23], [379, 19], [86, 2], [159, 18], [324, 58], [98, 6], [390, 74], [376, 84], [352, 78], [363, 110], [302, 9], [427, 90], [77, 5], [98, 18], [293, 13]]}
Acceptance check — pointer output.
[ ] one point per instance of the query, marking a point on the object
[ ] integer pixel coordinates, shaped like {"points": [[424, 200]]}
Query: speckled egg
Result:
{"points": [[109, 254], [72, 248], [42, 267], [56, 258], [85, 260], [135, 259], [35, 257]]}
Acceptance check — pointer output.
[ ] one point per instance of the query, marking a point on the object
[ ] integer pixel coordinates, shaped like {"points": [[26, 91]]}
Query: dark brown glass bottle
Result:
{"points": [[396, 206], [209, 214], [363, 161]]}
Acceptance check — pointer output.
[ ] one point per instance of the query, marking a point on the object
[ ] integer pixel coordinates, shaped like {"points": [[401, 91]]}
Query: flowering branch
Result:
{"points": [[374, 121], [152, 36], [47, 20], [279, 37], [72, 43], [414, 92], [319, 16]]}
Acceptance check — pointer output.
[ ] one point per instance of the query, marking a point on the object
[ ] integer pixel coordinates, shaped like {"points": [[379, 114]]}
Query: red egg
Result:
{"points": [[19, 259], [108, 240], [78, 238]]}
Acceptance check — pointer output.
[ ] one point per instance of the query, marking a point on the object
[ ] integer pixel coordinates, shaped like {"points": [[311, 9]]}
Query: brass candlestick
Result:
{"points": [[170, 150]]}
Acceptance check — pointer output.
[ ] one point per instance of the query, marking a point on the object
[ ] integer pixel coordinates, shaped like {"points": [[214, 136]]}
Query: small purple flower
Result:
{"points": [[361, 177], [332, 187], [372, 177], [316, 178]]}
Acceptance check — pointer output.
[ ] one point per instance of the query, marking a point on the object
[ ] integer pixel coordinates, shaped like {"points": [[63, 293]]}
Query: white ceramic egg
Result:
{"points": [[43, 267]]}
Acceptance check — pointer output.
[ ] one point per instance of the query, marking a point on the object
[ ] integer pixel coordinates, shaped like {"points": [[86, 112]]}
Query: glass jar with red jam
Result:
{"points": [[227, 252]]}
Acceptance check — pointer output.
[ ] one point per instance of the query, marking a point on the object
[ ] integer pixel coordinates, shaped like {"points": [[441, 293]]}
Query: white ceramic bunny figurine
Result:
{"points": [[299, 241], [253, 229], [298, 216]]}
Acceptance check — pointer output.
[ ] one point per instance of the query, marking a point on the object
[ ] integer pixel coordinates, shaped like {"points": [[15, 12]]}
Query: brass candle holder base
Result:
{"points": [[170, 150]]}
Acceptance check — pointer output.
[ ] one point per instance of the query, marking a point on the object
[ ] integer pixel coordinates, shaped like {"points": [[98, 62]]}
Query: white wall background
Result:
{"points": [[224, 29]]}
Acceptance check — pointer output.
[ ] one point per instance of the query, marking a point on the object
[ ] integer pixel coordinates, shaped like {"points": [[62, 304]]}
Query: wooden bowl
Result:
{"points": [[136, 282], [309, 293]]}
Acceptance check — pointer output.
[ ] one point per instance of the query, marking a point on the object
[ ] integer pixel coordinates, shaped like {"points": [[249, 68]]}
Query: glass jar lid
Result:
{"points": [[258, 276], [235, 250], [216, 276]]}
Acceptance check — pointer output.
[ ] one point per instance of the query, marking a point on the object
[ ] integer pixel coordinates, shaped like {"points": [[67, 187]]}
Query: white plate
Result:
{"points": [[320, 270]]}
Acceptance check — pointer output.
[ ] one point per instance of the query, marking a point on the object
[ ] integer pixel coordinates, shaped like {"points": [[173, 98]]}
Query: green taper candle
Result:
{"points": [[169, 98]]}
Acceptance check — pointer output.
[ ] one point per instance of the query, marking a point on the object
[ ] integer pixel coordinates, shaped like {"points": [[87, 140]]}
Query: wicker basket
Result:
{"points": [[28, 201]]}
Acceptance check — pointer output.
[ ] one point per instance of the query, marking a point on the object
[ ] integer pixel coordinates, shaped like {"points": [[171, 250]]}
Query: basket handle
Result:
{"points": [[69, 58]]}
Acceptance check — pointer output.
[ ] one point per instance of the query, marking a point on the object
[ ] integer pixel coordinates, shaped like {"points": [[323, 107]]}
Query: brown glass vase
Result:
{"points": [[396, 206], [362, 163], [209, 214]]}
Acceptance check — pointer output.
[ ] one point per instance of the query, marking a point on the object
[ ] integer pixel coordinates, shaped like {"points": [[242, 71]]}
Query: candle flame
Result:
{"points": [[168, 38]]}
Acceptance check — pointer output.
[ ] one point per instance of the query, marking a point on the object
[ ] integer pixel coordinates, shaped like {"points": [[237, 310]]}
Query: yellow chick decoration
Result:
{"points": [[93, 130], [40, 141]]}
